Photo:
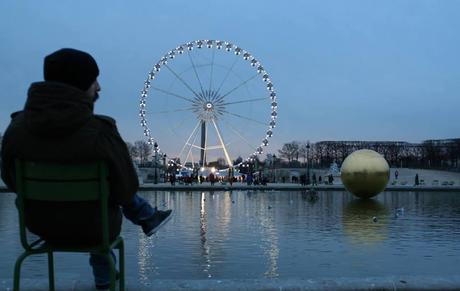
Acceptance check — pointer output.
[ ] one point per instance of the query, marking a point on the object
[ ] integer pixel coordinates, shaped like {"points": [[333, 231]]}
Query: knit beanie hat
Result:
{"points": [[72, 67]]}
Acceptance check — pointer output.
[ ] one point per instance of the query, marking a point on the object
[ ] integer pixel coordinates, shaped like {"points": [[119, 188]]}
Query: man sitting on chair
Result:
{"points": [[58, 125]]}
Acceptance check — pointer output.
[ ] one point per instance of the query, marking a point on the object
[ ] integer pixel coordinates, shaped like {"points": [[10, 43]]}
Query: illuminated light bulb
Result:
{"points": [[228, 47]]}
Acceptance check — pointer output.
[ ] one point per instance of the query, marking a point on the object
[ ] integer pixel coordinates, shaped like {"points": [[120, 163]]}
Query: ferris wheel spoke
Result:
{"points": [[190, 153], [237, 132], [229, 161], [196, 73], [179, 125], [228, 73], [171, 111], [173, 94], [182, 81], [212, 70], [239, 86], [247, 118], [188, 140], [245, 101]]}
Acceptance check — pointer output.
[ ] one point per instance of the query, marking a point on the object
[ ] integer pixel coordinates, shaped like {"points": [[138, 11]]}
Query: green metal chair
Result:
{"points": [[65, 183]]}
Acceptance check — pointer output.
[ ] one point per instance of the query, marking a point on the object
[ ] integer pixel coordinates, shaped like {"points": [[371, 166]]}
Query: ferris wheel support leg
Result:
{"points": [[203, 142], [229, 161]]}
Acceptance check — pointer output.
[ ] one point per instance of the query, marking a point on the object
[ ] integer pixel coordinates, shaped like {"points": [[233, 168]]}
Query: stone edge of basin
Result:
{"points": [[339, 283]]}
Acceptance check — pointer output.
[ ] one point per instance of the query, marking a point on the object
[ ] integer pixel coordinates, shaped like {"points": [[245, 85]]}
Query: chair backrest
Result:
{"points": [[61, 182]]}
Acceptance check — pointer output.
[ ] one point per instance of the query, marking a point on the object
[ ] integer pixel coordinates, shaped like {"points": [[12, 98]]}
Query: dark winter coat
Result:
{"points": [[58, 125]]}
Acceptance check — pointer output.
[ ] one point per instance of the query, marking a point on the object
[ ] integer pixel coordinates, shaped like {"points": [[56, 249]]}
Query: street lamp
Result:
{"points": [[273, 168], [155, 150], [307, 180]]}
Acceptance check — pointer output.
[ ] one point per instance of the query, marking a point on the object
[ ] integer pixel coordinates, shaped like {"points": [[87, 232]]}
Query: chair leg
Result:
{"points": [[112, 271], [17, 270], [121, 262], [51, 270]]}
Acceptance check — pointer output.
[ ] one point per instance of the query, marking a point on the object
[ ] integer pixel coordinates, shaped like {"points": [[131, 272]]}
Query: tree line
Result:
{"points": [[433, 154]]}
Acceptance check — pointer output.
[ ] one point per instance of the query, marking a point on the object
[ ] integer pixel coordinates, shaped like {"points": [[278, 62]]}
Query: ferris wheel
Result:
{"points": [[208, 102]]}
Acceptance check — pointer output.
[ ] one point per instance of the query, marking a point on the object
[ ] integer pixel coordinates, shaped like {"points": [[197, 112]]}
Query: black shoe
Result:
{"points": [[157, 220], [106, 286]]}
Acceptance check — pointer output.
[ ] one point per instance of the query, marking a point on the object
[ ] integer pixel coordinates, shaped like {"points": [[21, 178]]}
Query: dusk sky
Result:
{"points": [[343, 70]]}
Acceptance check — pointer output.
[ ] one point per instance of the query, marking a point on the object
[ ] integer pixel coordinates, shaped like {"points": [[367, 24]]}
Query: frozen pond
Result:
{"points": [[273, 234]]}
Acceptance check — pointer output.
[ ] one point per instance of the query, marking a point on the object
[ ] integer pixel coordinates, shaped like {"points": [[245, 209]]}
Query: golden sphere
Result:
{"points": [[365, 173]]}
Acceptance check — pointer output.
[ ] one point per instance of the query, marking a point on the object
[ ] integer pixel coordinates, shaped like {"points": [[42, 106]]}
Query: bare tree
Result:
{"points": [[143, 149], [133, 151], [289, 151]]}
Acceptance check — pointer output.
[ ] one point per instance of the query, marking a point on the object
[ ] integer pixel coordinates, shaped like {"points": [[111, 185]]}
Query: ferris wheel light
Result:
{"points": [[265, 77], [172, 54], [270, 86], [238, 51], [190, 46], [209, 43], [254, 62], [199, 44], [219, 44], [260, 69], [246, 56], [228, 47], [180, 50], [157, 67]]}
